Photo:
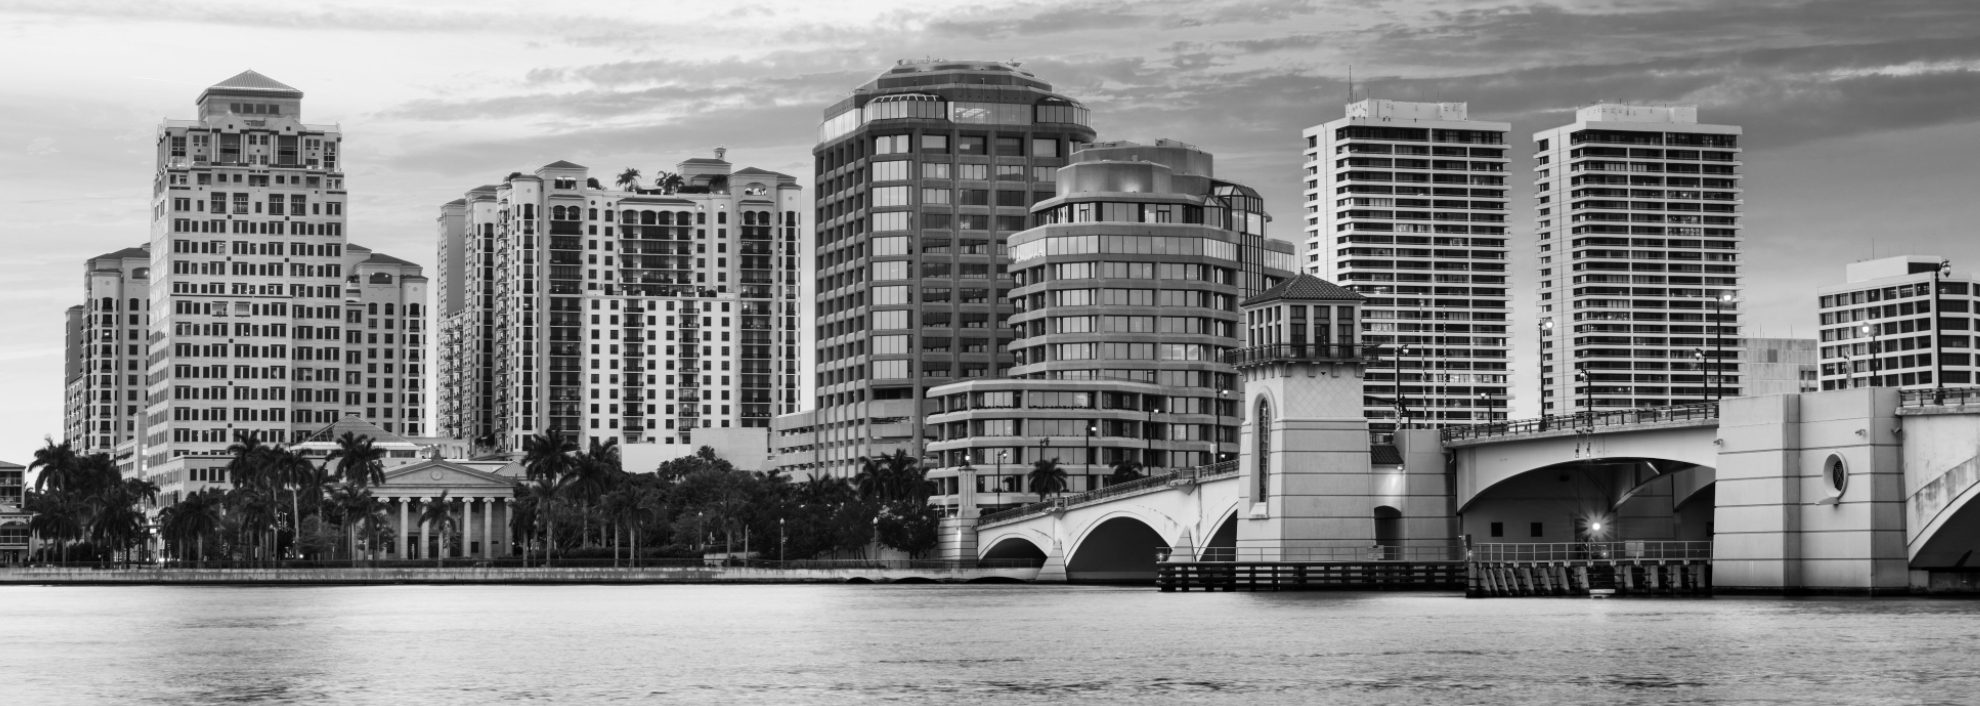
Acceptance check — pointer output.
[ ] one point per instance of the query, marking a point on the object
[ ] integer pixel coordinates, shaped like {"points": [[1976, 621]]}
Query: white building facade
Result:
{"points": [[1638, 212], [1899, 322], [1406, 205]]}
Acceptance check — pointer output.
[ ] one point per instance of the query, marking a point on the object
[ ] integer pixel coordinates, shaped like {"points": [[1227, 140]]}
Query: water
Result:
{"points": [[964, 644]]}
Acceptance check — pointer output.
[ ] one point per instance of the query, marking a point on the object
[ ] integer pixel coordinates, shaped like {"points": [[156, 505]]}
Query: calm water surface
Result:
{"points": [[956, 644]]}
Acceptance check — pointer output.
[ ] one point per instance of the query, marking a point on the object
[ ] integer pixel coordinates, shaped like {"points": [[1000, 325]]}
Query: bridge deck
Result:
{"points": [[1676, 417]]}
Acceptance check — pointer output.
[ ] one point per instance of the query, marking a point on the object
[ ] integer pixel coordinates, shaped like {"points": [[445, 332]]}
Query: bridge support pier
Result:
{"points": [[1054, 570]]}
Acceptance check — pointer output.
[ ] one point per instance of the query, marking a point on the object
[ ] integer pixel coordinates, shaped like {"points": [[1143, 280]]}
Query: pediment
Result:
{"points": [[436, 475]]}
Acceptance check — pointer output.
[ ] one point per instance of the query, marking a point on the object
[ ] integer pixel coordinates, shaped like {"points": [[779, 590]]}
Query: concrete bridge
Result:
{"points": [[1858, 490]]}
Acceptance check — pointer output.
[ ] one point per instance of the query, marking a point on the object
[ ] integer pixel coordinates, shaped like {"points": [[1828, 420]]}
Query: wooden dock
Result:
{"points": [[1376, 575]]}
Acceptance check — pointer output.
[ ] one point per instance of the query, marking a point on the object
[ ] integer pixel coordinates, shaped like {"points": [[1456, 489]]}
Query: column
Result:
{"points": [[509, 521], [399, 533], [422, 551], [468, 529], [487, 536]]}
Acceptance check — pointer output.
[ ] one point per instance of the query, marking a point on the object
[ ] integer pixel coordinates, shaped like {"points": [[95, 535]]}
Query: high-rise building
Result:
{"points": [[1638, 216], [103, 362], [1126, 295], [642, 315], [923, 174], [262, 318], [1406, 205], [1899, 322]]}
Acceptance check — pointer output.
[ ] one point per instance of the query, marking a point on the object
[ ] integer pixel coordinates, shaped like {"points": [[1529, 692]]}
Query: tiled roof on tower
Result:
{"points": [[1306, 287], [252, 81]]}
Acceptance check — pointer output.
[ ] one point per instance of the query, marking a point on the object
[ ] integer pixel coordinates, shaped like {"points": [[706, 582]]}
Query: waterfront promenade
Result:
{"points": [[765, 573]]}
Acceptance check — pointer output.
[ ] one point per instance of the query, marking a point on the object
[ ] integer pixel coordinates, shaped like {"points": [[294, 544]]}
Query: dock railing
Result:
{"points": [[1619, 550], [1938, 397], [1376, 552]]}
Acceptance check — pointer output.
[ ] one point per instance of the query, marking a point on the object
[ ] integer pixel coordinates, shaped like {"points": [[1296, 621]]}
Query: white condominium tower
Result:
{"points": [[1406, 205], [1638, 216], [633, 314], [263, 318]]}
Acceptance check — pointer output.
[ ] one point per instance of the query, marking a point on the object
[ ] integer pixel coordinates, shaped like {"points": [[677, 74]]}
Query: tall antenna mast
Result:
{"points": [[1350, 83]]}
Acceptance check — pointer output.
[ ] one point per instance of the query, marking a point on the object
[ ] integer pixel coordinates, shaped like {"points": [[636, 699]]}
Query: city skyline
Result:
{"points": [[1813, 85]]}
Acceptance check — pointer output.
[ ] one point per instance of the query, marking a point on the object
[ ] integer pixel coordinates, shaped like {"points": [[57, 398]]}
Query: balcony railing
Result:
{"points": [[1298, 353]]}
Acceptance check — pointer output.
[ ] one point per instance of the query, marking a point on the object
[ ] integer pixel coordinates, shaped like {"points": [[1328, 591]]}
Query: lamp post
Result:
{"points": [[1149, 432], [780, 542], [1402, 406], [1704, 392], [1719, 344], [1871, 331], [1540, 361], [1002, 456], [1938, 351], [1219, 445], [1587, 393]]}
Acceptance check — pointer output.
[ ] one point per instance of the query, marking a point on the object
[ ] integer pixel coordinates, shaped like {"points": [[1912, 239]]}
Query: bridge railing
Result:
{"points": [[1938, 397], [1568, 551], [1585, 421], [1214, 470], [1376, 552]]}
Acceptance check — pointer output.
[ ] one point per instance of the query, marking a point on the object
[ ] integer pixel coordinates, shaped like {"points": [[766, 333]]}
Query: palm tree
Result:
{"points": [[541, 495], [628, 179], [1124, 471], [292, 470], [546, 453], [57, 465], [193, 519], [668, 182], [438, 516], [359, 463], [354, 504], [1047, 477], [249, 462], [594, 472]]}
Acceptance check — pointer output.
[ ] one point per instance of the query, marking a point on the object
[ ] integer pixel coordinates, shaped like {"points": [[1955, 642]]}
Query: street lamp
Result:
{"points": [[998, 481], [1149, 432], [1938, 350], [1402, 406], [1704, 392], [780, 542], [1546, 325], [1719, 343], [1871, 331], [1219, 445]]}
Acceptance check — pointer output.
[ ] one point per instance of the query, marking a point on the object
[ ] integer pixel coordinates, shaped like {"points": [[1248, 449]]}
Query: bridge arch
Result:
{"points": [[1221, 538], [1014, 544], [1485, 465], [1595, 499], [1118, 548], [1945, 520]]}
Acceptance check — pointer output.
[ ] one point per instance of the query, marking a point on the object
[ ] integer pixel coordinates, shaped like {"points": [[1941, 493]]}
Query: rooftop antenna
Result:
{"points": [[1350, 83]]}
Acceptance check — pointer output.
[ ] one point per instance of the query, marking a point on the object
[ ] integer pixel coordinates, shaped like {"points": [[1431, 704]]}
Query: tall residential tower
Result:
{"points": [[1638, 216], [923, 174], [646, 316], [1406, 205]]}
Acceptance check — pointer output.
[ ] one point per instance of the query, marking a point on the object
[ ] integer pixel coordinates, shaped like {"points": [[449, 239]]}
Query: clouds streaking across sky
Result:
{"points": [[1862, 119]]}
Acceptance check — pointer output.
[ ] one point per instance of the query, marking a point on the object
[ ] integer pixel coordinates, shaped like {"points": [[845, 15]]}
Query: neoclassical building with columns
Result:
{"points": [[482, 495]]}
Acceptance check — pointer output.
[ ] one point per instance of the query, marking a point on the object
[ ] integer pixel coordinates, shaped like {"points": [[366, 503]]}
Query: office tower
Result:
{"points": [[1406, 205], [1899, 322], [923, 173], [1125, 299], [1638, 216], [649, 316], [103, 362], [264, 319]]}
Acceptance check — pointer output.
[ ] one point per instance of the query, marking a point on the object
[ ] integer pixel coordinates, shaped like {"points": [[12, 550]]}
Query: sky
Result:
{"points": [[1862, 119]]}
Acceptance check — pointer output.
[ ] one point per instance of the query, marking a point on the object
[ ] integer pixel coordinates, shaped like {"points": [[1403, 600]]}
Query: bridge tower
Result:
{"points": [[1309, 487]]}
